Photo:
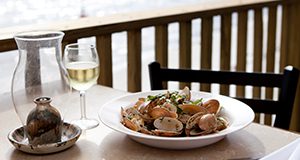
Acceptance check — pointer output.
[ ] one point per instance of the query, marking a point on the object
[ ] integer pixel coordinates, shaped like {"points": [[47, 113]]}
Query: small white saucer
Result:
{"points": [[70, 134]]}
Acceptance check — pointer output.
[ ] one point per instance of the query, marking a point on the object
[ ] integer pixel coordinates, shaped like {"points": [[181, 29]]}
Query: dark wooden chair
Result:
{"points": [[286, 82]]}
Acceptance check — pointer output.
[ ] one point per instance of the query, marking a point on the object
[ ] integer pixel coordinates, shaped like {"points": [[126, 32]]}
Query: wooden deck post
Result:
{"points": [[185, 48], [206, 47], [241, 47], [290, 50], [104, 48], [161, 47], [225, 48], [134, 60]]}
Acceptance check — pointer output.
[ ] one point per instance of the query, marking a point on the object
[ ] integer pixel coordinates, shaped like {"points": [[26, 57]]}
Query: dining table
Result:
{"points": [[102, 143]]}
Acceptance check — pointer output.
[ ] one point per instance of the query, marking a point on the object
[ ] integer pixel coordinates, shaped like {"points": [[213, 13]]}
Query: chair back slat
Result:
{"points": [[259, 106], [221, 77]]}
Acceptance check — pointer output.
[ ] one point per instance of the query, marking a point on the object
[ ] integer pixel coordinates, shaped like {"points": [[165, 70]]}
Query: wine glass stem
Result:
{"points": [[82, 104]]}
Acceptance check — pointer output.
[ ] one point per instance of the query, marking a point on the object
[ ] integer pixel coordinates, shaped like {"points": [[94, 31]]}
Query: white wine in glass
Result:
{"points": [[82, 64], [83, 75]]}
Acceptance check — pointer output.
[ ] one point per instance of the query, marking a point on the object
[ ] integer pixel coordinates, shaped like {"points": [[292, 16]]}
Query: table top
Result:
{"points": [[102, 143]]}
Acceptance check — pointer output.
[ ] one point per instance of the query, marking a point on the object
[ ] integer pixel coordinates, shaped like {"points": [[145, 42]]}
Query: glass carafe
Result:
{"points": [[39, 72]]}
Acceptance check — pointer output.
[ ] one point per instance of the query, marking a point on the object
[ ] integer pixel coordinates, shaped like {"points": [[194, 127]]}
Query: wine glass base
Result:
{"points": [[85, 124]]}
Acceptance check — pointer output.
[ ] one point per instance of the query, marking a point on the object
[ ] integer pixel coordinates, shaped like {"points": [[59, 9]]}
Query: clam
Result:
{"points": [[203, 124], [131, 118], [161, 112], [212, 106], [130, 124], [192, 108], [193, 120], [183, 118], [146, 131], [129, 111], [140, 103], [208, 122], [168, 124], [186, 92], [148, 106], [165, 133], [222, 123], [170, 107]]}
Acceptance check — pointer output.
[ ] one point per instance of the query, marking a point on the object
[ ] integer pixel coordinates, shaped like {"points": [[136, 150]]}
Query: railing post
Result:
{"points": [[206, 47], [290, 50], [185, 47], [161, 47], [241, 47], [134, 60], [271, 53], [225, 48], [103, 44], [257, 55]]}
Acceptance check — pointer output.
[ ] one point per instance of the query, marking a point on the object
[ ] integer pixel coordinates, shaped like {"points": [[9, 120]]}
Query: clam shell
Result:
{"points": [[165, 133], [186, 91], [192, 109], [168, 124], [212, 106], [170, 107], [193, 120], [197, 132], [183, 118], [162, 112], [129, 124], [208, 122]]}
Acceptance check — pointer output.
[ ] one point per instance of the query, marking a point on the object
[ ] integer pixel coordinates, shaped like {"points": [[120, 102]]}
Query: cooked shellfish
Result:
{"points": [[174, 114], [212, 106], [168, 124]]}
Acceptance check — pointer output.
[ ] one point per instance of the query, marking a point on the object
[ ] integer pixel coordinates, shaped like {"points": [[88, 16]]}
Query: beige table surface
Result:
{"points": [[102, 143]]}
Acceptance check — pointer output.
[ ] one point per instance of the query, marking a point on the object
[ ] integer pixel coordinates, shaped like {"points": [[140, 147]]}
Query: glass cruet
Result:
{"points": [[39, 72]]}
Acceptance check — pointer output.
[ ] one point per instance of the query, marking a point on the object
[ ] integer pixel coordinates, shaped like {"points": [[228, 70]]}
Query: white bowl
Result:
{"points": [[236, 112]]}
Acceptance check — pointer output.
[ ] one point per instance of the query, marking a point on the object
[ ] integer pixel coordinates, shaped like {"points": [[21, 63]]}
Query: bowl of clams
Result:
{"points": [[182, 119]]}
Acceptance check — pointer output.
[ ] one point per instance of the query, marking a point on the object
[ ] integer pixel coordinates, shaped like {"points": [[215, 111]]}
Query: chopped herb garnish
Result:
{"points": [[151, 98], [179, 110], [198, 101]]}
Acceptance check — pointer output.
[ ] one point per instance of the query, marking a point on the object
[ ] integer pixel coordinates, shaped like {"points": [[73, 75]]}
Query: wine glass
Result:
{"points": [[82, 64]]}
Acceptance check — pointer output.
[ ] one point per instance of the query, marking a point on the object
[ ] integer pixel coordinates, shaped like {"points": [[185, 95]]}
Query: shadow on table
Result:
{"points": [[236, 145]]}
